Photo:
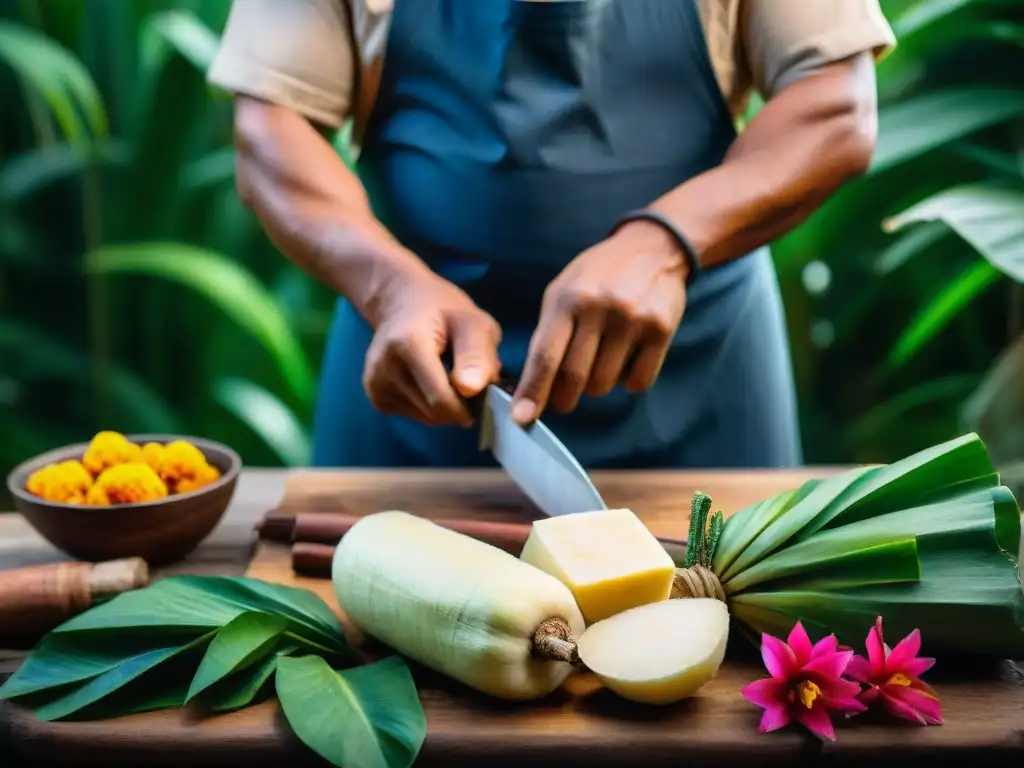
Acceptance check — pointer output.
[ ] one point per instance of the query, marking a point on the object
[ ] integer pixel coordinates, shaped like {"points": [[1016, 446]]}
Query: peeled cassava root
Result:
{"points": [[658, 653], [459, 606]]}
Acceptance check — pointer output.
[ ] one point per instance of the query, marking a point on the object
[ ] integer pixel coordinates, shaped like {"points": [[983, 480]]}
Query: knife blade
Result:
{"points": [[536, 460]]}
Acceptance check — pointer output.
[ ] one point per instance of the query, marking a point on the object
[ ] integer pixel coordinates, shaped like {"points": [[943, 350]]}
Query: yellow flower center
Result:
{"points": [[899, 679], [808, 692]]}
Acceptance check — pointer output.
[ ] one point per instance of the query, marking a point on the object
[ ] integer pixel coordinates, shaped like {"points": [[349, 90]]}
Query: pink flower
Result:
{"points": [[893, 678], [805, 685]]}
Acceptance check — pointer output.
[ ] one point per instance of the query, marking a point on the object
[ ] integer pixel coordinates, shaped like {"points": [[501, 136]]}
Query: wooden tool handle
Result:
{"points": [[36, 599]]}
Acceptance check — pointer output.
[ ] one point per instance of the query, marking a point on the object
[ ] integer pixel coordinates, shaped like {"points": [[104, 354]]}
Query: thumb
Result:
{"points": [[475, 362]]}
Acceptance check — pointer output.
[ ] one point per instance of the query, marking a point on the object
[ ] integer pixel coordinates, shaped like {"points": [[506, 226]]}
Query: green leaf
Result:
{"points": [[169, 604], [28, 354], [241, 689], [303, 608], [923, 14], [996, 408], [110, 681], [268, 417], [791, 520], [211, 602], [928, 542], [367, 717], [861, 557], [921, 124], [947, 304], [893, 413], [940, 472], [233, 289], [53, 72], [33, 171], [915, 242], [186, 34], [989, 218], [750, 521], [244, 640], [211, 170], [58, 661]]}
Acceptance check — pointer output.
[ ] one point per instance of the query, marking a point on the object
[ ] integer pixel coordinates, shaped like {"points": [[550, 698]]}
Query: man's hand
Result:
{"points": [[608, 317], [421, 316]]}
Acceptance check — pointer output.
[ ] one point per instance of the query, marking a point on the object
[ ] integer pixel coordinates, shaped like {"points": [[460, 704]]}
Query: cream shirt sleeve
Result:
{"points": [[295, 53], [786, 39]]}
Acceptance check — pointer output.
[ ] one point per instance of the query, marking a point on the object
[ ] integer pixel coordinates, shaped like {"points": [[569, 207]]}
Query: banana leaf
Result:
{"points": [[929, 542]]}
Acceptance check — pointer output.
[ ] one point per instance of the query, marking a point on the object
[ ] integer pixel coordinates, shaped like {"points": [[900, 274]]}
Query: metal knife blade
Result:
{"points": [[536, 460]]}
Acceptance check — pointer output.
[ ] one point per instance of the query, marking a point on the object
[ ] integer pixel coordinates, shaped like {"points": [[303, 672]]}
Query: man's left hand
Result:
{"points": [[609, 317]]}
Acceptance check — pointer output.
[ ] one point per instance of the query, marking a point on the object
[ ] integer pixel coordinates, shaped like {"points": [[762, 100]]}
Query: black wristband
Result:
{"points": [[681, 240]]}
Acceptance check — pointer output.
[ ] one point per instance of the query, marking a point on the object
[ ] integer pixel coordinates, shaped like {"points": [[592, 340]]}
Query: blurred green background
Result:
{"points": [[137, 294]]}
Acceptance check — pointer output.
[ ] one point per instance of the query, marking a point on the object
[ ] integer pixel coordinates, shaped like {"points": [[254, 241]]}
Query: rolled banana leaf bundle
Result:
{"points": [[929, 542]]}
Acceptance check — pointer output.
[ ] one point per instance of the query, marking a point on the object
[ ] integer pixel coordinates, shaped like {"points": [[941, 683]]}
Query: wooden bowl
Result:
{"points": [[161, 532]]}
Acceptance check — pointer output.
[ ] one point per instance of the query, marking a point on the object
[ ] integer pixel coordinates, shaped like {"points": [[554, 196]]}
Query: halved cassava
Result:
{"points": [[658, 653]]}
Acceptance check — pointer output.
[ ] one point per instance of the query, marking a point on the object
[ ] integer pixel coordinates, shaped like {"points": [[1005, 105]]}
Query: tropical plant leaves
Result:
{"points": [[218, 641], [225, 283], [268, 417], [912, 127], [169, 604], [929, 542], [989, 218], [53, 73], [367, 717], [59, 661], [941, 310], [126, 671], [245, 639], [242, 688]]}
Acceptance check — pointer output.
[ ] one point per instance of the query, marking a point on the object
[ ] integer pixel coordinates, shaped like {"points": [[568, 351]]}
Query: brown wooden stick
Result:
{"points": [[277, 525], [36, 599], [328, 528], [313, 560]]}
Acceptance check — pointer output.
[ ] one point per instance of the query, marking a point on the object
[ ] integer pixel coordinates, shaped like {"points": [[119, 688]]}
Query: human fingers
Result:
{"points": [[544, 357], [612, 353], [475, 364], [646, 365], [422, 359], [578, 363]]}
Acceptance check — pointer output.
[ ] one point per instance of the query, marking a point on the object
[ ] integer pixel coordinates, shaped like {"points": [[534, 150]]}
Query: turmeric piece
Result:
{"points": [[128, 484], [67, 482], [108, 449]]}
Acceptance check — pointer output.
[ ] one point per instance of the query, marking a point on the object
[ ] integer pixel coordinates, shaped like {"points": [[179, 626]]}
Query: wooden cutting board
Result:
{"points": [[581, 724]]}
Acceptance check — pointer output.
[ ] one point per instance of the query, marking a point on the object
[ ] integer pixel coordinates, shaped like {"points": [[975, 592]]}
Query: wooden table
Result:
{"points": [[985, 720]]}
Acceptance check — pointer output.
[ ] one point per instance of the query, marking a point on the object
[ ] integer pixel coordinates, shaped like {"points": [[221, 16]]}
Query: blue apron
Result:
{"points": [[508, 137]]}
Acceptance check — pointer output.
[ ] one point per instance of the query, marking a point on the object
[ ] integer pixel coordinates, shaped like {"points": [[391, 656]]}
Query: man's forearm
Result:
{"points": [[313, 207], [816, 134]]}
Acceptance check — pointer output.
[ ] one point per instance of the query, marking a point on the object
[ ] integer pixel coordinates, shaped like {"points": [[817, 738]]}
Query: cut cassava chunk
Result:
{"points": [[608, 558], [459, 606], [658, 653]]}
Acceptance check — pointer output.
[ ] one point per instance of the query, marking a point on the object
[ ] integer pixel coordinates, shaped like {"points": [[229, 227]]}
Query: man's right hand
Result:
{"points": [[420, 317]]}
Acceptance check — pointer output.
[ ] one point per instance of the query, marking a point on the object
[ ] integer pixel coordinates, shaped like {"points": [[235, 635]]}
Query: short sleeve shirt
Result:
{"points": [[317, 56]]}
